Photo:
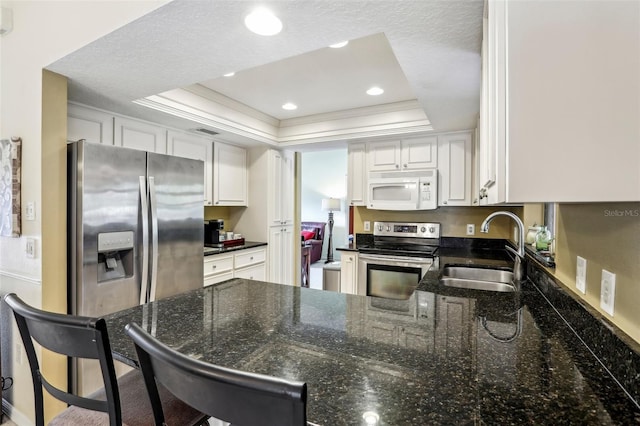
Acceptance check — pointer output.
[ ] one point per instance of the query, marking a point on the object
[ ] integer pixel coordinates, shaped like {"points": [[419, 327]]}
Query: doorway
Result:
{"points": [[324, 176]]}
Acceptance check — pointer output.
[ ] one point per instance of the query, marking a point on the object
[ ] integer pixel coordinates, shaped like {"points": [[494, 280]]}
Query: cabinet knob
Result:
{"points": [[405, 166], [217, 202], [251, 258], [213, 267], [397, 166], [444, 202]]}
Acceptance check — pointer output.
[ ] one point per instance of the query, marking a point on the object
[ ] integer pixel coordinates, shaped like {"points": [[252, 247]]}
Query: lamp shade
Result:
{"points": [[331, 204]]}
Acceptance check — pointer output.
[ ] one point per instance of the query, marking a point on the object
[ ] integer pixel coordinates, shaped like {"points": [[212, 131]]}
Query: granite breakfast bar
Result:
{"points": [[440, 357]]}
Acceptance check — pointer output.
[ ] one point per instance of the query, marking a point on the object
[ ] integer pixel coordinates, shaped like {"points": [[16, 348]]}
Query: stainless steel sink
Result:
{"points": [[478, 278]]}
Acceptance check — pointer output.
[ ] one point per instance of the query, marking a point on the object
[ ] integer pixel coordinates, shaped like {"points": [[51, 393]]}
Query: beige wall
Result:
{"points": [[54, 236], [454, 220], [607, 235]]}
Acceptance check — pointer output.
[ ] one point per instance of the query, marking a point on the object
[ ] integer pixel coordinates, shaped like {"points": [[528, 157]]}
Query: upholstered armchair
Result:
{"points": [[312, 233]]}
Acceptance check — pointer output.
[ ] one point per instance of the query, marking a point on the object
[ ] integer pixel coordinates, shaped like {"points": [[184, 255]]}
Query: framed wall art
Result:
{"points": [[10, 158]]}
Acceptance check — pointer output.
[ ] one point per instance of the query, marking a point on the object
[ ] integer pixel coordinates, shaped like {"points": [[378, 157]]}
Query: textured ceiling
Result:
{"points": [[436, 44]]}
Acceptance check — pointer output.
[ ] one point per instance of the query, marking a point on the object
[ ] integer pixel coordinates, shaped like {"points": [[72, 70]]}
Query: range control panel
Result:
{"points": [[401, 229]]}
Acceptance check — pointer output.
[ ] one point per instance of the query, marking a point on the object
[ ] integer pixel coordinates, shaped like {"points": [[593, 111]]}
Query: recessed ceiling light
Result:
{"points": [[261, 21], [229, 74], [339, 45], [375, 91], [289, 106]]}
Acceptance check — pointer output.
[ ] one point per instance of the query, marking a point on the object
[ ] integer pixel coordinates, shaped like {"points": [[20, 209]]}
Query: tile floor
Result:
{"points": [[7, 422]]}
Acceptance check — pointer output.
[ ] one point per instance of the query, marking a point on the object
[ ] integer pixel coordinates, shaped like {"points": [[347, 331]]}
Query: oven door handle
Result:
{"points": [[395, 258]]}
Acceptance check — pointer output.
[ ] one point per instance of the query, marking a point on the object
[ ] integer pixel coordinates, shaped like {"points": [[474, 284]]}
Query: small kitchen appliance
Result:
{"points": [[397, 259], [213, 229]]}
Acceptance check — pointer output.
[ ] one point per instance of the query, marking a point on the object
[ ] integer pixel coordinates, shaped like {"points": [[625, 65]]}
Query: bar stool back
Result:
{"points": [[233, 396]]}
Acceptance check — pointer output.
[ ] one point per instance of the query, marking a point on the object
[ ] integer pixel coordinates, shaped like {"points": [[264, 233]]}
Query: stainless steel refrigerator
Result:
{"points": [[135, 231]]}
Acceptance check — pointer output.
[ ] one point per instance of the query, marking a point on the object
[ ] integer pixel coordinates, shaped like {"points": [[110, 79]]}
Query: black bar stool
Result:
{"points": [[120, 402]]}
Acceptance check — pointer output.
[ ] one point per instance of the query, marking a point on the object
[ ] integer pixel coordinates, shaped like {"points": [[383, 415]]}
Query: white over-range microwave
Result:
{"points": [[416, 190]]}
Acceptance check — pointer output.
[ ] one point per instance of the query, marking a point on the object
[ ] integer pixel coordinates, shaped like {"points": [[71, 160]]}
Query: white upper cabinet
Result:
{"points": [[384, 156], [89, 124], [455, 153], [196, 148], [410, 153], [561, 102], [229, 175], [419, 153], [357, 174], [140, 135]]}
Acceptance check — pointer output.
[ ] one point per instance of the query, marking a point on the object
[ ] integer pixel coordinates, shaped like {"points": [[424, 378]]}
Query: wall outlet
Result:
{"points": [[581, 275], [367, 225], [30, 248], [607, 291], [30, 211], [471, 229]]}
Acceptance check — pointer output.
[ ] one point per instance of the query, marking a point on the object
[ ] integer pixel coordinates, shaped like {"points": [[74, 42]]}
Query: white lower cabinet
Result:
{"points": [[251, 264], [218, 268], [349, 272], [248, 264], [256, 272], [281, 254]]}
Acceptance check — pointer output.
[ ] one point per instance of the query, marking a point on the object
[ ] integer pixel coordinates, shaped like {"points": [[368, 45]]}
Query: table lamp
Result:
{"points": [[330, 204]]}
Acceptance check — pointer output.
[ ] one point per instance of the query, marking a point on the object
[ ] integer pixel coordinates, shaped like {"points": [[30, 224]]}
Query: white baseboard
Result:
{"points": [[16, 416]]}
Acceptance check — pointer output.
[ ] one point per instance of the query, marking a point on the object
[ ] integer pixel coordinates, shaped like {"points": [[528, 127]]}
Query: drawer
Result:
{"points": [[250, 257], [217, 264], [214, 279], [257, 272]]}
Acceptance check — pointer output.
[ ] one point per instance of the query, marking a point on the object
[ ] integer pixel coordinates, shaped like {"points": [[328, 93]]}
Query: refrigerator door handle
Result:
{"points": [[144, 213], [154, 238]]}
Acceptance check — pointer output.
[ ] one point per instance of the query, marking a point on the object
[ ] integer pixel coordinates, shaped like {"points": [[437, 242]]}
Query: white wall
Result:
{"points": [[324, 176], [43, 32]]}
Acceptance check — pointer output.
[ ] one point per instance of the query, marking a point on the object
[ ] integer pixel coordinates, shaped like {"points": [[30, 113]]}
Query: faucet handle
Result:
{"points": [[514, 251]]}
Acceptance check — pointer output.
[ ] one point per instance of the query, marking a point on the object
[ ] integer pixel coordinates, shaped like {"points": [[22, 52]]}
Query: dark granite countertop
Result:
{"points": [[209, 251], [439, 357]]}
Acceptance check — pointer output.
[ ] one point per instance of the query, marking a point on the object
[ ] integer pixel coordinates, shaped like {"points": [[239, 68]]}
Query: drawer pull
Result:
{"points": [[213, 266], [251, 258]]}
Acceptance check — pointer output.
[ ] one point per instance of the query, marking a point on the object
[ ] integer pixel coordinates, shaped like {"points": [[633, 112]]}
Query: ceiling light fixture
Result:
{"points": [[339, 45], [261, 21], [229, 74], [375, 91], [289, 106]]}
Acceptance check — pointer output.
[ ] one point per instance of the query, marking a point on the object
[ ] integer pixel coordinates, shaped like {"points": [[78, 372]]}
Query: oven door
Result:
{"points": [[391, 277]]}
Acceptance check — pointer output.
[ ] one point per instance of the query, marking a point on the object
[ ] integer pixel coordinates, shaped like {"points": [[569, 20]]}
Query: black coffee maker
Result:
{"points": [[212, 231]]}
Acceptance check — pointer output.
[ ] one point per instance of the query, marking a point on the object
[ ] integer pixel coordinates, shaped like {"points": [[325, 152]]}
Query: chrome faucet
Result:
{"points": [[518, 266]]}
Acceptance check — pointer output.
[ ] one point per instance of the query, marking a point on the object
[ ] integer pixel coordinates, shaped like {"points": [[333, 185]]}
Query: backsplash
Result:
{"points": [[607, 235], [454, 220]]}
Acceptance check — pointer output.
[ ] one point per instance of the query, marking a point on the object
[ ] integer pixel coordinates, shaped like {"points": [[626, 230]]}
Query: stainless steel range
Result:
{"points": [[401, 253]]}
